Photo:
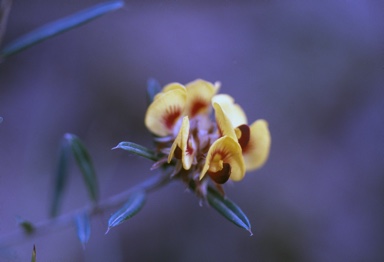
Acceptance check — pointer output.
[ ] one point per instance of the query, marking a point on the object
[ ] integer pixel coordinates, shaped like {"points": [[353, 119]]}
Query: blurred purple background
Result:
{"points": [[314, 70]]}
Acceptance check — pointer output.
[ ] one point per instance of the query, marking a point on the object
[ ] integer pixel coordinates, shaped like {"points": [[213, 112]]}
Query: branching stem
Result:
{"points": [[66, 220]]}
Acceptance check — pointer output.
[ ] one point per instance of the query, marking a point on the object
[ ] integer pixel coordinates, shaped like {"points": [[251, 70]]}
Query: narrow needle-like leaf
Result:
{"points": [[84, 162], [5, 8], [139, 150], [131, 208], [59, 27], [33, 259], [83, 228], [228, 209], [61, 176]]}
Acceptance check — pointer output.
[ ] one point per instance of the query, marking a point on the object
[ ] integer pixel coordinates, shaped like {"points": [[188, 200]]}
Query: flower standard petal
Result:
{"points": [[200, 93], [172, 86], [224, 160], [257, 150], [182, 143], [163, 113], [169, 87], [233, 111]]}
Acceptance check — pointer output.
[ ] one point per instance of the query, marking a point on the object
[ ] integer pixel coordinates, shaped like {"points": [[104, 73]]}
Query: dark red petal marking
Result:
{"points": [[197, 105], [245, 136], [221, 176], [178, 153], [189, 148], [170, 117]]}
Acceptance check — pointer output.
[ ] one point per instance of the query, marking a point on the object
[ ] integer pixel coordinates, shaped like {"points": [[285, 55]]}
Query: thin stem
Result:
{"points": [[65, 220]]}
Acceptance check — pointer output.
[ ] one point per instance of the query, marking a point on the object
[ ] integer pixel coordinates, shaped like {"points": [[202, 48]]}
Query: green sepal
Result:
{"points": [[228, 209], [84, 162], [59, 26], [134, 204], [83, 227], [139, 150]]}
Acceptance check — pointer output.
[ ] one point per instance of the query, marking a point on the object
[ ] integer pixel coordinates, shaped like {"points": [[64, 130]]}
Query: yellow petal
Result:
{"points": [[165, 111], [172, 86], [257, 150], [233, 111], [223, 123], [225, 155], [200, 93], [182, 142], [169, 87]]}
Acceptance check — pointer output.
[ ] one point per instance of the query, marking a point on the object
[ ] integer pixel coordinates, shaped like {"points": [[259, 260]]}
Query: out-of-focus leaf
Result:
{"points": [[33, 259], [228, 209], [139, 150], [84, 162], [5, 8], [135, 202], [59, 27], [83, 228], [1, 119], [61, 176], [153, 87], [25, 225]]}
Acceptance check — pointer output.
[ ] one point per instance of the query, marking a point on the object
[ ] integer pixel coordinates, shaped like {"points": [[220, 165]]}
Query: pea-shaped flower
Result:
{"points": [[202, 147]]}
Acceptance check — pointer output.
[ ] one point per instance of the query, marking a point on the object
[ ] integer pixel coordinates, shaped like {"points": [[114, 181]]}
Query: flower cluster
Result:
{"points": [[203, 146]]}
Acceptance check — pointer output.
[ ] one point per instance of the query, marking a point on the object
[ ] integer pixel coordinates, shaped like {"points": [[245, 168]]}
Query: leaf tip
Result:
{"points": [[68, 136], [33, 253]]}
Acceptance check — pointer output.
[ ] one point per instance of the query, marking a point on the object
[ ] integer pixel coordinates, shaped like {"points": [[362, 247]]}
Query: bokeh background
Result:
{"points": [[313, 69]]}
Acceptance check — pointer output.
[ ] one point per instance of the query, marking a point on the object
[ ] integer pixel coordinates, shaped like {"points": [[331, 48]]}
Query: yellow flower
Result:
{"points": [[255, 140], [257, 149], [224, 125], [224, 160], [220, 150], [182, 146], [199, 96], [233, 111], [164, 112]]}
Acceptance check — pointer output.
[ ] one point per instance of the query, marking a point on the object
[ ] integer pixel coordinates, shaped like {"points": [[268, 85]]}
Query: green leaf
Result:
{"points": [[139, 150], [83, 227], [60, 26], [25, 225], [61, 176], [33, 259], [228, 209], [131, 208], [84, 162], [153, 88]]}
